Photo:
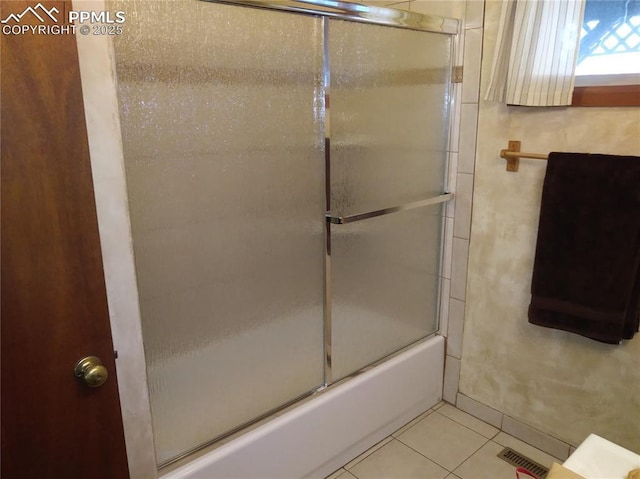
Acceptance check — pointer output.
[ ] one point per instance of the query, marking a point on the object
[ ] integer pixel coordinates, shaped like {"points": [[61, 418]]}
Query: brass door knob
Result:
{"points": [[91, 372]]}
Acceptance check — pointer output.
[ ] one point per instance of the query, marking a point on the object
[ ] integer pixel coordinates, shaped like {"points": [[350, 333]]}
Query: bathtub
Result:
{"points": [[329, 430]]}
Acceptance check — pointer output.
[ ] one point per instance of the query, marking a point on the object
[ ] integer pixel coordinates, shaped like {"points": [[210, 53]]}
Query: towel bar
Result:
{"points": [[513, 154], [341, 220]]}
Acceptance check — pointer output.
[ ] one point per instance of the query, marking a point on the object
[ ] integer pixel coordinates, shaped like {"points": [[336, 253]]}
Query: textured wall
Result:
{"points": [[560, 383]]}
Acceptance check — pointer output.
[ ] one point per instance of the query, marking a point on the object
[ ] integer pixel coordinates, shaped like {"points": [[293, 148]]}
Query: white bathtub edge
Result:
{"points": [[324, 433]]}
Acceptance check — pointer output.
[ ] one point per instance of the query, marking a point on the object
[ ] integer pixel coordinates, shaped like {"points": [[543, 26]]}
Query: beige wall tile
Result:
{"points": [[479, 410], [459, 48], [474, 14], [464, 195], [467, 145], [536, 438], [448, 248], [456, 327], [459, 268], [451, 379], [444, 307], [472, 64], [456, 113], [452, 184], [443, 8]]}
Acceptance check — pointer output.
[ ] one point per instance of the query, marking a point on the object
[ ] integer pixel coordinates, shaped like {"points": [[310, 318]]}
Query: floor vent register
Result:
{"points": [[518, 460]]}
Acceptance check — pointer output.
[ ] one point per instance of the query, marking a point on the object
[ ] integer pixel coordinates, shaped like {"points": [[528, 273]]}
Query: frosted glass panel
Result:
{"points": [[384, 285], [223, 131], [389, 121], [389, 115]]}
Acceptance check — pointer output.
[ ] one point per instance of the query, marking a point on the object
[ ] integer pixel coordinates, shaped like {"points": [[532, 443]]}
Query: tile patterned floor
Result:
{"points": [[442, 443]]}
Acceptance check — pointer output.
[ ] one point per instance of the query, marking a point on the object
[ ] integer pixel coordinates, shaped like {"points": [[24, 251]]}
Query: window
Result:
{"points": [[608, 68]]}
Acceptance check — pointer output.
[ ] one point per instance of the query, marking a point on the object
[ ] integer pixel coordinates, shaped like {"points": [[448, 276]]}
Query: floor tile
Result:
{"points": [[523, 448], [443, 440], [397, 461], [412, 423], [485, 464], [468, 420], [368, 452]]}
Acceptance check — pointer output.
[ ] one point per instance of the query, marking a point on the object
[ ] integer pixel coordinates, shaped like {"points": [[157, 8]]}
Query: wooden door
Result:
{"points": [[54, 307]]}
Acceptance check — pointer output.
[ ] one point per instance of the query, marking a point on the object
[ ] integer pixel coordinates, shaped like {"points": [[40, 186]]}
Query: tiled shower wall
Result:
{"points": [[463, 158]]}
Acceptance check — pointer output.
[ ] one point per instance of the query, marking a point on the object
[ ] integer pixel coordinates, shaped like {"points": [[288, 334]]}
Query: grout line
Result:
{"points": [[411, 423], [499, 430], [432, 460], [373, 449], [472, 454], [442, 466], [453, 420], [473, 430]]}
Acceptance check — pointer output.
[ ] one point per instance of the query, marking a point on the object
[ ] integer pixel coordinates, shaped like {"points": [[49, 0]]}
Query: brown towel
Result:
{"points": [[586, 274]]}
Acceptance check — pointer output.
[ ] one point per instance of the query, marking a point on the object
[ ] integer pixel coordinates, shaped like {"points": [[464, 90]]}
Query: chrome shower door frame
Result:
{"points": [[356, 12], [375, 15], [382, 16]]}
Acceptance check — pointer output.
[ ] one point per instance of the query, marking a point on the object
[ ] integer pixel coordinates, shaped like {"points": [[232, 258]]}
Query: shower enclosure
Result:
{"points": [[286, 173]]}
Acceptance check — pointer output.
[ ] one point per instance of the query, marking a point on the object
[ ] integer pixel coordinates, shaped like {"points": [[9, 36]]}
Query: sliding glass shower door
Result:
{"points": [[285, 176], [389, 94], [223, 136]]}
